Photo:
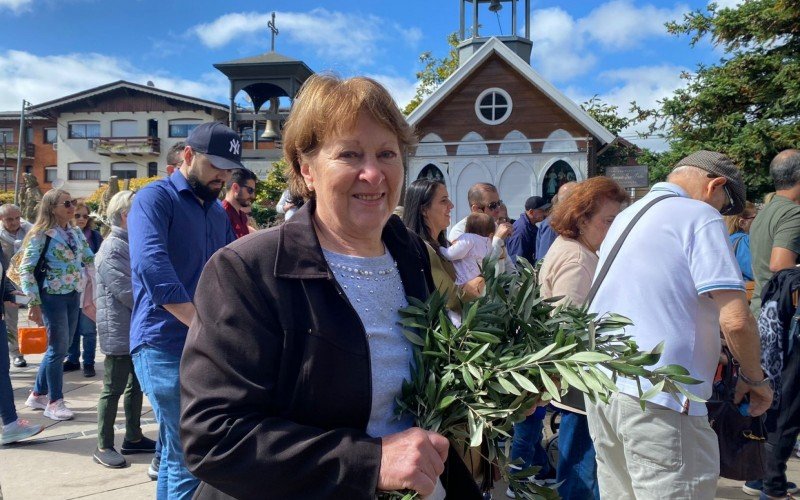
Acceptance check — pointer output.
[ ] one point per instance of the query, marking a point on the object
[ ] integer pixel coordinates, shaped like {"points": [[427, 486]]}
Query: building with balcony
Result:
{"points": [[37, 153], [122, 128]]}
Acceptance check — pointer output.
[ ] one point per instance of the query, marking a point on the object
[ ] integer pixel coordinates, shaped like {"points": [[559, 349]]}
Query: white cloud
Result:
{"points": [[621, 25], [336, 36], [15, 5], [646, 85], [565, 47], [402, 89], [558, 49], [39, 79]]}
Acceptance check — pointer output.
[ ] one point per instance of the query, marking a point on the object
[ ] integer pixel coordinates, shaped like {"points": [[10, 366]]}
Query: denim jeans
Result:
{"points": [[87, 331], [577, 469], [60, 313], [8, 413], [158, 374], [527, 442]]}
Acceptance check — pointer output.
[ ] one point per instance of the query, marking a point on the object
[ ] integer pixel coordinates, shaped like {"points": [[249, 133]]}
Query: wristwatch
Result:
{"points": [[752, 383]]}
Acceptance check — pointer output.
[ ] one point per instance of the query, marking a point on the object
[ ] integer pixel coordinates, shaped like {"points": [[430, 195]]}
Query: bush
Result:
{"points": [[136, 184], [6, 197], [265, 216], [269, 191]]}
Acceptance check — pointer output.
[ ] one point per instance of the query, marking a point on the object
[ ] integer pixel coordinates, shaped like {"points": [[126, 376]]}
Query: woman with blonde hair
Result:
{"points": [[86, 332], [54, 255], [739, 235]]}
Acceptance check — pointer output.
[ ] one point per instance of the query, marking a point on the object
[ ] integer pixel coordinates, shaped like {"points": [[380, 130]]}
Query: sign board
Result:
{"points": [[629, 177]]}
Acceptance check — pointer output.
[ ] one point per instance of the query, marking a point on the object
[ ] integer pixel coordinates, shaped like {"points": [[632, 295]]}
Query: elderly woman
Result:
{"points": [[114, 298], [294, 360], [87, 331], [582, 222], [426, 212], [60, 250]]}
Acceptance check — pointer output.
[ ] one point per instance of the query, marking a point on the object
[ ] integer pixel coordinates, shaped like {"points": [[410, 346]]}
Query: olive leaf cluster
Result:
{"points": [[512, 351]]}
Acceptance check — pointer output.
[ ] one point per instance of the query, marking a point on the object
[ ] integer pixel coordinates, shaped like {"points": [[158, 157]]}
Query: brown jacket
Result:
{"points": [[275, 375]]}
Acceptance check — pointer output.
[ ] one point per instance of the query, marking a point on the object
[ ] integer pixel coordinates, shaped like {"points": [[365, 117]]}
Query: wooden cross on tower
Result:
{"points": [[273, 30]]}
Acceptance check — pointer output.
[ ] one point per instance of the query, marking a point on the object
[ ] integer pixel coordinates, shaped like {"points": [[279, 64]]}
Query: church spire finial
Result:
{"points": [[273, 32]]}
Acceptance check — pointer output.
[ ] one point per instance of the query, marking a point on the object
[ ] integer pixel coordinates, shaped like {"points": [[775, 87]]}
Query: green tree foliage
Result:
{"points": [[434, 72], [608, 116], [748, 104], [268, 192]]}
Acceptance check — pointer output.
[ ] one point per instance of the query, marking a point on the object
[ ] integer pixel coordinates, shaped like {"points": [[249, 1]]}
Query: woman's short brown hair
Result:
{"points": [[328, 105], [584, 201]]}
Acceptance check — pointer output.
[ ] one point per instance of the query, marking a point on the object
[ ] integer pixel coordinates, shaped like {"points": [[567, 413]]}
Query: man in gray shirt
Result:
{"points": [[12, 231]]}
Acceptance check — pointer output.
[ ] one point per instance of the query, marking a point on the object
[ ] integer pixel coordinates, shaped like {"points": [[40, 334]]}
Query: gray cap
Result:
{"points": [[720, 166]]}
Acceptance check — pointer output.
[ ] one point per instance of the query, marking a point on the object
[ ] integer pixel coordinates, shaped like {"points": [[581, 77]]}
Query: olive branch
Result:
{"points": [[512, 351]]}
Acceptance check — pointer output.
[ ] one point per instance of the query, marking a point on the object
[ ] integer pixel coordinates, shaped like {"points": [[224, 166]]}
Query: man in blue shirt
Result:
{"points": [[522, 242], [174, 227], [546, 235]]}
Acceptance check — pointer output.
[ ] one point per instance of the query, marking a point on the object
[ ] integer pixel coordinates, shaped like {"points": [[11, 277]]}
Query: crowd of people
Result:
{"points": [[277, 357]]}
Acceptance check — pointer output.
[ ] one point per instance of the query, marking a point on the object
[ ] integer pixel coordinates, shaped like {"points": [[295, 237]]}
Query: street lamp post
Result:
{"points": [[19, 149]]}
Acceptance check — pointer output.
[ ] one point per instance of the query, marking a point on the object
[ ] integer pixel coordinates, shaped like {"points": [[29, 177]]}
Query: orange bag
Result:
{"points": [[32, 339]]}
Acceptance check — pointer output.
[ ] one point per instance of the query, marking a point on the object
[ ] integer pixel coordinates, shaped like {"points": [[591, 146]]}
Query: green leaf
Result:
{"points": [[414, 338], [508, 386], [571, 377], [550, 385], [589, 357], [476, 353], [671, 370], [524, 382], [485, 337], [652, 392], [446, 401], [467, 378]]}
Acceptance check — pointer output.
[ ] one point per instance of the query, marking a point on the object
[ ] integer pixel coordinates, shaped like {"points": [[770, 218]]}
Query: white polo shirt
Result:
{"points": [[675, 255]]}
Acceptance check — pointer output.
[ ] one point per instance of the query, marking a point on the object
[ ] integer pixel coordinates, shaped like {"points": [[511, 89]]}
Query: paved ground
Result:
{"points": [[57, 464]]}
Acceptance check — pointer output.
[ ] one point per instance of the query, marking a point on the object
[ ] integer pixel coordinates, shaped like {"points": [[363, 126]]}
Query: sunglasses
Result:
{"points": [[249, 189], [81, 216], [69, 203], [728, 207], [492, 206]]}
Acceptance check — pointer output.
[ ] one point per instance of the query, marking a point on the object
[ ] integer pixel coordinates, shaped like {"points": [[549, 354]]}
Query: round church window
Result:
{"points": [[493, 106]]}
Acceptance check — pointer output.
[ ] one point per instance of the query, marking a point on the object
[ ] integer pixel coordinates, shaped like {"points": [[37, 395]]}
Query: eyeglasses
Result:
{"points": [[492, 206], [249, 189], [68, 203], [728, 207]]}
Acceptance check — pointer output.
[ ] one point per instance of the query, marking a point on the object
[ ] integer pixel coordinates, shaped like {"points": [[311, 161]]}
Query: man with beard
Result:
{"points": [[174, 226], [240, 195]]}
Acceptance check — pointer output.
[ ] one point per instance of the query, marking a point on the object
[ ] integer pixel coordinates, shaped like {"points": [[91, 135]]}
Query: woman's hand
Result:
{"points": [[413, 460], [35, 315], [473, 288]]}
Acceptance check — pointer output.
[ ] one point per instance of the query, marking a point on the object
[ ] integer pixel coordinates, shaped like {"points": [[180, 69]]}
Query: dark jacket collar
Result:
{"points": [[300, 254]]}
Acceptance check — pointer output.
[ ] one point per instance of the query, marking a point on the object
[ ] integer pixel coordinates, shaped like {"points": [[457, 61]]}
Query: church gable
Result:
{"points": [[532, 113]]}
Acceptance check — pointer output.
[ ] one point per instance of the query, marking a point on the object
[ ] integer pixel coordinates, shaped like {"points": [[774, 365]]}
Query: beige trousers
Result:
{"points": [[652, 454]]}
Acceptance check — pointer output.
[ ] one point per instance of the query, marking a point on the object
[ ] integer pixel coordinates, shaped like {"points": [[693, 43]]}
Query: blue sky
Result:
{"points": [[617, 49]]}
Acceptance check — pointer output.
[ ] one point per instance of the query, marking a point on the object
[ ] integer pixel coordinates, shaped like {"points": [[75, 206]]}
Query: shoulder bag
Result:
{"points": [[573, 399]]}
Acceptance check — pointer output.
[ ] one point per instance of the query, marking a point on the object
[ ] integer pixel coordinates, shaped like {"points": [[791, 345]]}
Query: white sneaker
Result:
{"points": [[37, 402], [58, 411]]}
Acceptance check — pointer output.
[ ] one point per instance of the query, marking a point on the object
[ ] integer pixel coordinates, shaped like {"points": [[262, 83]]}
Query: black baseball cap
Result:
{"points": [[536, 203], [222, 145]]}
